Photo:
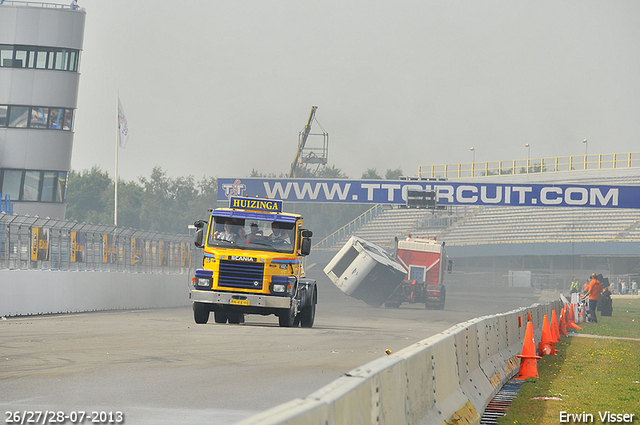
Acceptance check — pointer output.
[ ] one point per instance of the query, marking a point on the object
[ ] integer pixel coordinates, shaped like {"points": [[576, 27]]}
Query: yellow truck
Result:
{"points": [[253, 264]]}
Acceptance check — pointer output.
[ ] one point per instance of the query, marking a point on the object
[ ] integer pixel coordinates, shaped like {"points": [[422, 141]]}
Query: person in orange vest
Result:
{"points": [[594, 291]]}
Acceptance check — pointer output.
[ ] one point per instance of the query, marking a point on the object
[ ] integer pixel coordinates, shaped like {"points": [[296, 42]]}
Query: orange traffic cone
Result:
{"points": [[572, 323], [555, 333], [562, 323], [546, 346], [528, 358]]}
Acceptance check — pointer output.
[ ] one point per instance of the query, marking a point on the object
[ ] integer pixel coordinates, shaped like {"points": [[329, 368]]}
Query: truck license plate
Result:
{"points": [[239, 302]]}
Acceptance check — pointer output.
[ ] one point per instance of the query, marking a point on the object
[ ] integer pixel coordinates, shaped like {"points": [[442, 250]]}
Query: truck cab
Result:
{"points": [[253, 264]]}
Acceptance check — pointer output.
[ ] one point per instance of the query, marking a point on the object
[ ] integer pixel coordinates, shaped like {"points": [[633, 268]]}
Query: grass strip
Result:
{"points": [[589, 376]]}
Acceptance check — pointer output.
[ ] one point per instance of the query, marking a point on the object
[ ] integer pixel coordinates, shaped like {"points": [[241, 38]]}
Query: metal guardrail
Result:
{"points": [[532, 165], [35, 243], [348, 228]]}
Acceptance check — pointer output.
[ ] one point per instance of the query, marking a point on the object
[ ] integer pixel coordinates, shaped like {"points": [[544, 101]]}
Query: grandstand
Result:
{"points": [[573, 237]]}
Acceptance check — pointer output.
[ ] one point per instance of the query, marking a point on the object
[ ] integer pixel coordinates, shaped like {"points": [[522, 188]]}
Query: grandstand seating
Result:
{"points": [[520, 224]]}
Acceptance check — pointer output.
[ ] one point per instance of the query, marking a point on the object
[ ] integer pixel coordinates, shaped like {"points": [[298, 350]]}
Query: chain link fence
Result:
{"points": [[34, 243]]}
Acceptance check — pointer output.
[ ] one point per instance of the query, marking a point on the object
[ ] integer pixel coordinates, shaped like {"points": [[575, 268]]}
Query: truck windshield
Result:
{"points": [[259, 235]]}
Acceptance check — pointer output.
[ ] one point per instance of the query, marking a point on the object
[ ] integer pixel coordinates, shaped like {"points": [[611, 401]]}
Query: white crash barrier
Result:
{"points": [[29, 292], [447, 378]]}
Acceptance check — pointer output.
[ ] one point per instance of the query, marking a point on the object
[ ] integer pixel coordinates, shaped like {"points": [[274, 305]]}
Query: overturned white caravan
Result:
{"points": [[415, 274]]}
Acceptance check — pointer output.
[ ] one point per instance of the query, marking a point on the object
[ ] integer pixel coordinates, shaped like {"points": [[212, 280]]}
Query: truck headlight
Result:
{"points": [[279, 288], [203, 282], [284, 285]]}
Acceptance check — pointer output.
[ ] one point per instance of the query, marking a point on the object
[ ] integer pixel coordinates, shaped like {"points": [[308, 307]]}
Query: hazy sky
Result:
{"points": [[218, 88]]}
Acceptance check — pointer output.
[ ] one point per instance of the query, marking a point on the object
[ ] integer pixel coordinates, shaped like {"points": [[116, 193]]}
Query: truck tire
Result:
{"points": [[287, 317], [442, 300], [235, 317], [308, 315], [220, 317], [201, 313]]}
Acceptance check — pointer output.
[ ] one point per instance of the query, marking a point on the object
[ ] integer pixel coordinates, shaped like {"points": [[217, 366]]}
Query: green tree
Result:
{"points": [[393, 174], [130, 200], [331, 173], [86, 196], [371, 174]]}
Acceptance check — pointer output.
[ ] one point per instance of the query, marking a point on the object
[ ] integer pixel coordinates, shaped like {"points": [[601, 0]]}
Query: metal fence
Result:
{"points": [[34, 243], [532, 165], [342, 233]]}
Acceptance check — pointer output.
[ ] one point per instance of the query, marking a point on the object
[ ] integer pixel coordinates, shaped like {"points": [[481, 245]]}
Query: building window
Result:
{"points": [[61, 187], [4, 114], [41, 117], [6, 55], [41, 63], [68, 118], [18, 116], [48, 186], [11, 183], [33, 185], [38, 57], [55, 118]]}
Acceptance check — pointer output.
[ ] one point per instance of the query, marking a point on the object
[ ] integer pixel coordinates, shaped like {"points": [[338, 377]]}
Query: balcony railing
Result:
{"points": [[36, 4]]}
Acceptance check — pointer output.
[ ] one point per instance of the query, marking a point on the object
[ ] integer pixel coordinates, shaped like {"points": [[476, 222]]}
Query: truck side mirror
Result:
{"points": [[305, 248], [198, 239], [449, 266], [199, 225], [306, 233]]}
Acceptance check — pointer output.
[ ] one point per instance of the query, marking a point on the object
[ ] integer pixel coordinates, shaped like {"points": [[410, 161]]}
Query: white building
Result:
{"points": [[40, 46]]}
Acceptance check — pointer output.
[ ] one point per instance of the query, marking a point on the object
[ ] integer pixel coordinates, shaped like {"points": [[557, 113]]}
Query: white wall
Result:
{"points": [[27, 292]]}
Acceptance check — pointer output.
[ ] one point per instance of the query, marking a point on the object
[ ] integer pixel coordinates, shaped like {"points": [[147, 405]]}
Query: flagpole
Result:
{"points": [[115, 207]]}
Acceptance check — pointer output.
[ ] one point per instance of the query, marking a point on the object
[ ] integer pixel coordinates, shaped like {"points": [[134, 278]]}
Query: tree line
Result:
{"points": [[165, 204]]}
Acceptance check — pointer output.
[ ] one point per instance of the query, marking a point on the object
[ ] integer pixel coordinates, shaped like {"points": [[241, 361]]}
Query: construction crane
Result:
{"points": [[309, 155]]}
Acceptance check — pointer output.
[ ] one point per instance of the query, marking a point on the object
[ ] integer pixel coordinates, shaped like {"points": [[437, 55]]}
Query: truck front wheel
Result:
{"points": [[235, 317], [201, 313], [286, 318], [220, 316]]}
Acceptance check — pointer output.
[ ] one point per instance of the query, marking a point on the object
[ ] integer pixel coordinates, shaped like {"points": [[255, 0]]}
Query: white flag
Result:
{"points": [[123, 127]]}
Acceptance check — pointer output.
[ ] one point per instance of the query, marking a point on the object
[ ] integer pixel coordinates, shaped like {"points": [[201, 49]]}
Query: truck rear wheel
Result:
{"points": [[220, 316], [308, 315], [201, 313]]}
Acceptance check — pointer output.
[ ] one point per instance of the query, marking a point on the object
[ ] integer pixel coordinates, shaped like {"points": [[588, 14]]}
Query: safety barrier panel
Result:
{"points": [[447, 378]]}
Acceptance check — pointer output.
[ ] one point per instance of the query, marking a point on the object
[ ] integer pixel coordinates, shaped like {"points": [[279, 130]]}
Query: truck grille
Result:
{"points": [[239, 274]]}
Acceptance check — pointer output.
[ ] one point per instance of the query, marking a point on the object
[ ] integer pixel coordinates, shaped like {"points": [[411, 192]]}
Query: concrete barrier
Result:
{"points": [[29, 292], [447, 378]]}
